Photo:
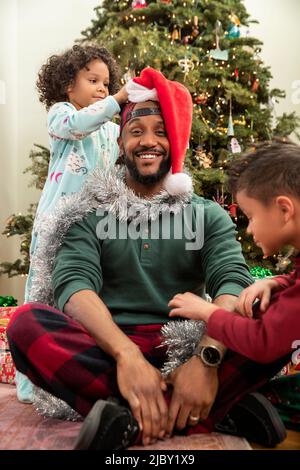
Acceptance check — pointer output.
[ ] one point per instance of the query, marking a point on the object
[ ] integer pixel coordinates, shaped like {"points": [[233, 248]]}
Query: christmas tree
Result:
{"points": [[207, 45]]}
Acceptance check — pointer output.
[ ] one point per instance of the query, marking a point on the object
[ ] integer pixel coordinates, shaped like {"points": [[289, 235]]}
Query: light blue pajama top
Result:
{"points": [[80, 141]]}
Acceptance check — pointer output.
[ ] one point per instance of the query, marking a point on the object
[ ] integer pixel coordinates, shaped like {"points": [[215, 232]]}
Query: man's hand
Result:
{"points": [[195, 388], [192, 306], [141, 385], [259, 290]]}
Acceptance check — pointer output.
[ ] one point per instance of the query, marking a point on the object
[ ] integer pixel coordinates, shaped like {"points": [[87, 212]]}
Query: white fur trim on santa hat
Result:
{"points": [[138, 93], [178, 183]]}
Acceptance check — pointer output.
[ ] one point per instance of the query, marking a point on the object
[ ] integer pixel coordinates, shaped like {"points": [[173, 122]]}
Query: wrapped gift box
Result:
{"points": [[6, 312], [5, 316], [7, 368], [3, 338]]}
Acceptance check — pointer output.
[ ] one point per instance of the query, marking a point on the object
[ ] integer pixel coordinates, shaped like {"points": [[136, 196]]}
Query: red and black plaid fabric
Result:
{"points": [[59, 355]]}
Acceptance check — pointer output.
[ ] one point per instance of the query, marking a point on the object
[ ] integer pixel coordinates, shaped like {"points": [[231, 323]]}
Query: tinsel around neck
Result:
{"points": [[106, 190], [115, 196]]}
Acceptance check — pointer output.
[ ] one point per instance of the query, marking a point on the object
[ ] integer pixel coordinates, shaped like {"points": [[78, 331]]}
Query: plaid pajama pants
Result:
{"points": [[59, 355]]}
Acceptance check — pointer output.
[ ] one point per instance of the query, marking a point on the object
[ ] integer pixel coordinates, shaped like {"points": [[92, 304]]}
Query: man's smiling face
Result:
{"points": [[145, 146]]}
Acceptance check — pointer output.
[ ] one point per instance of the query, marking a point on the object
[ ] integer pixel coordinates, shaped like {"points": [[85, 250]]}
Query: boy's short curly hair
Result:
{"points": [[61, 70], [270, 169]]}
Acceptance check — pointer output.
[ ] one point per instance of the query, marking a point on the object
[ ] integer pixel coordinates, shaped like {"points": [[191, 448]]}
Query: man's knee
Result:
{"points": [[26, 320], [17, 322]]}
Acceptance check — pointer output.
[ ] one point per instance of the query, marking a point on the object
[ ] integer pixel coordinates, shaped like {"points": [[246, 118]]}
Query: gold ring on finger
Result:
{"points": [[194, 419]]}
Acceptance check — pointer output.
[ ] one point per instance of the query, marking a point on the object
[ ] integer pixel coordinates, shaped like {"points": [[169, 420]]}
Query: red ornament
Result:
{"points": [[236, 74], [139, 4], [233, 210], [201, 99], [255, 85]]}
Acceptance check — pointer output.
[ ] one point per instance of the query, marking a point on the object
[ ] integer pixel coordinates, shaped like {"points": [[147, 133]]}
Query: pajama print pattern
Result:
{"points": [[59, 355]]}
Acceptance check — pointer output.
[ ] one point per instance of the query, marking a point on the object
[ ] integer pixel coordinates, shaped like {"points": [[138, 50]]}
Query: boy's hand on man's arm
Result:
{"points": [[261, 290], [191, 306]]}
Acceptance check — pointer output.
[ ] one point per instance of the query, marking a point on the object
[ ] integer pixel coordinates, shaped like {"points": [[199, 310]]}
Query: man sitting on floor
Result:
{"points": [[110, 260]]}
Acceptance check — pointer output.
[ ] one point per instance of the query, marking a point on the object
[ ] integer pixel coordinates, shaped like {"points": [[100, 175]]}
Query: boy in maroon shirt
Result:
{"points": [[266, 184]]}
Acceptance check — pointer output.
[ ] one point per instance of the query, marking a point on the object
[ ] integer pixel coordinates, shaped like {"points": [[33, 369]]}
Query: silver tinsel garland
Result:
{"points": [[181, 339], [50, 406], [104, 190]]}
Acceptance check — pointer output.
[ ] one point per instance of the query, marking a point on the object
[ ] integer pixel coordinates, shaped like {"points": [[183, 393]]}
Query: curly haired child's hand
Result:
{"points": [[259, 290], [191, 306], [122, 96]]}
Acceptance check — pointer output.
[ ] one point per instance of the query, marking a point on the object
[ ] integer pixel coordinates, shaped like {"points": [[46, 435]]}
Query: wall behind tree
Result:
{"points": [[32, 30], [278, 28]]}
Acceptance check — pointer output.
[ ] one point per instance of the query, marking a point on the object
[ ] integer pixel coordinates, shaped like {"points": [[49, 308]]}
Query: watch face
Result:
{"points": [[211, 355]]}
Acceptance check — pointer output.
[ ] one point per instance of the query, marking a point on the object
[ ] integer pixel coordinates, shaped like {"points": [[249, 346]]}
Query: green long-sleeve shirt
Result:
{"points": [[136, 278]]}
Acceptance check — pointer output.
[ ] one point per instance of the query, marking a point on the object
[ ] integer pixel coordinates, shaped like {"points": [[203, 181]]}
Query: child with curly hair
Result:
{"points": [[75, 88]]}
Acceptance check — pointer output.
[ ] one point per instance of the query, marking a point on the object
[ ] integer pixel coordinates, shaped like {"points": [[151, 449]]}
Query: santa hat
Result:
{"points": [[176, 108]]}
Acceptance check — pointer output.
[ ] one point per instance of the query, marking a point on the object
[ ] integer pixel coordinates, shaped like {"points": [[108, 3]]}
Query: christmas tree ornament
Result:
{"points": [[233, 210], [185, 40], [234, 19], [195, 30], [230, 128], [235, 146], [255, 85], [176, 34], [284, 260], [233, 31], [220, 198], [201, 98], [217, 53], [236, 74], [138, 4], [205, 159], [186, 66]]}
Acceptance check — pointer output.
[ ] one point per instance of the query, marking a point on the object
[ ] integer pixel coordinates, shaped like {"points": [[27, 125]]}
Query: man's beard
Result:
{"points": [[148, 180]]}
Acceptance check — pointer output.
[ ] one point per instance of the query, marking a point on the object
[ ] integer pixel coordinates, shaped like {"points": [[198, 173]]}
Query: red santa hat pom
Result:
{"points": [[177, 111]]}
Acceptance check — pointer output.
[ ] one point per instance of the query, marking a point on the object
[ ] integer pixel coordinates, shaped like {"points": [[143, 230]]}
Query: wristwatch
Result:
{"points": [[210, 355]]}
